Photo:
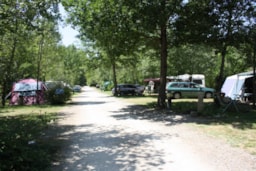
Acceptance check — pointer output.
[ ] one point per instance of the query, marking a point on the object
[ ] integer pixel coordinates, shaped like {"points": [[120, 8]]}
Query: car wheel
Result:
{"points": [[208, 95], [177, 95]]}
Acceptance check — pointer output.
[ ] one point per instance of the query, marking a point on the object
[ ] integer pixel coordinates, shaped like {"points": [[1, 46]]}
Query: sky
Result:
{"points": [[67, 32]]}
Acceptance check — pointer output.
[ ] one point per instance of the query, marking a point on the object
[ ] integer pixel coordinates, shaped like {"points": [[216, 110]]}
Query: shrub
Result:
{"points": [[58, 94], [23, 145]]}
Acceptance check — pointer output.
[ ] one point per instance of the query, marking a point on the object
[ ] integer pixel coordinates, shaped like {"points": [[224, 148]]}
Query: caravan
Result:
{"points": [[196, 78]]}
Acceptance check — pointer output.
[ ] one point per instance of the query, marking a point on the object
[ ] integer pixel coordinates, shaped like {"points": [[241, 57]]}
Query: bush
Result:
{"points": [[23, 145], [107, 86], [58, 94]]}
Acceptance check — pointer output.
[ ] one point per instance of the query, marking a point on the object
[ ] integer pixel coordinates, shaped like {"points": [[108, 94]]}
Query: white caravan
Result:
{"points": [[196, 78]]}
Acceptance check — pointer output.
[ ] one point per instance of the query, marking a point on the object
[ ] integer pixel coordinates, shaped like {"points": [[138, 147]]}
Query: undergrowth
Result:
{"points": [[23, 145]]}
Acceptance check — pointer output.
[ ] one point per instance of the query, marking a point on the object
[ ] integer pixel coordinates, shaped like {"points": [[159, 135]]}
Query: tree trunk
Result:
{"points": [[220, 77], [162, 95], [254, 77], [3, 92], [40, 53], [114, 73], [8, 71]]}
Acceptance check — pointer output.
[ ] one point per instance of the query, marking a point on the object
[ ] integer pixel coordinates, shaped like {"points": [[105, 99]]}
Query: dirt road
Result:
{"points": [[102, 134]]}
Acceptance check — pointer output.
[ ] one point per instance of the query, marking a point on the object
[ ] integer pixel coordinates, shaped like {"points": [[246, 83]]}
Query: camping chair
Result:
{"points": [[226, 102]]}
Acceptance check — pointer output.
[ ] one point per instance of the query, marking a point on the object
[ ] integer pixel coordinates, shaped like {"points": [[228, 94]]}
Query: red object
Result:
{"points": [[28, 92]]}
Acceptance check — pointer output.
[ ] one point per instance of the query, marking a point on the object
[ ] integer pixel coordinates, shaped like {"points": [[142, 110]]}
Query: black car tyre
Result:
{"points": [[177, 95]]}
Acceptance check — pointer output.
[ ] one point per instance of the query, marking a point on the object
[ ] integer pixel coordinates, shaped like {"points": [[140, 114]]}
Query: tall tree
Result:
{"points": [[107, 24], [193, 59], [250, 45], [19, 19], [219, 23], [117, 26]]}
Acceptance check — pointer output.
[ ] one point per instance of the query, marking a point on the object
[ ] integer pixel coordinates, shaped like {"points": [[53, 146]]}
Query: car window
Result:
{"points": [[174, 85], [183, 85], [194, 85], [131, 86]]}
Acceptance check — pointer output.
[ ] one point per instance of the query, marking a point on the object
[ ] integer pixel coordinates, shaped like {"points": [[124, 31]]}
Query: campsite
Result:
{"points": [[136, 42], [29, 122]]}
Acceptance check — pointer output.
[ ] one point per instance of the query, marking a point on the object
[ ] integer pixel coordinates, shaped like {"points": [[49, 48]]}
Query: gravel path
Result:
{"points": [[101, 133]]}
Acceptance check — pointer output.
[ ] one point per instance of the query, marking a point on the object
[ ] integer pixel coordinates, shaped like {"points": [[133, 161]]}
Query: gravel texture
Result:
{"points": [[102, 133]]}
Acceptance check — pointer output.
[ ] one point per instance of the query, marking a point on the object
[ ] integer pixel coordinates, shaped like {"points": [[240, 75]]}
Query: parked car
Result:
{"points": [[128, 89], [139, 89], [77, 88], [178, 90]]}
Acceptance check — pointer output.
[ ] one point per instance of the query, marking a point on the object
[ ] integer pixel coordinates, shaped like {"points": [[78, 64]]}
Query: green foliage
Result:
{"points": [[219, 24], [24, 25], [22, 146], [58, 94], [121, 40], [107, 86]]}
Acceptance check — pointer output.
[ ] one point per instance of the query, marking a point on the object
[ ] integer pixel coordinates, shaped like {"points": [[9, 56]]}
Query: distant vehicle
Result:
{"points": [[139, 89], [77, 88], [128, 89], [178, 90]]}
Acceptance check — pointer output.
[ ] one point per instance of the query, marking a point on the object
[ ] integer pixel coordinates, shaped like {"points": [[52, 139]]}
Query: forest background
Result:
{"points": [[126, 41]]}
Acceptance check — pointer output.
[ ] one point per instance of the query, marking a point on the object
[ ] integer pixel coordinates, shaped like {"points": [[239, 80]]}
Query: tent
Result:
{"points": [[27, 92], [238, 85]]}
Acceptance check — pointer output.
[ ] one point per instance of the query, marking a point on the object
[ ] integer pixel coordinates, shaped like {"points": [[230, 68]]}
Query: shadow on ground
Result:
{"points": [[167, 116], [236, 119], [111, 147], [88, 147]]}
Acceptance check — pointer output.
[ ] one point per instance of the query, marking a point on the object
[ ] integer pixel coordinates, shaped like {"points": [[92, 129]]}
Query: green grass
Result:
{"points": [[23, 144], [238, 129], [140, 100], [26, 110]]}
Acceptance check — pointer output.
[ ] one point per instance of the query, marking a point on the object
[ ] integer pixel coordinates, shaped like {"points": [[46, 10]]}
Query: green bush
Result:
{"points": [[107, 86], [23, 145], [58, 94]]}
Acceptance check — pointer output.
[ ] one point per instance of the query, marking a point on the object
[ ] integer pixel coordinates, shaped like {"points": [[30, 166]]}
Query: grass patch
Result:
{"points": [[24, 144], [140, 100], [27, 110], [238, 129]]}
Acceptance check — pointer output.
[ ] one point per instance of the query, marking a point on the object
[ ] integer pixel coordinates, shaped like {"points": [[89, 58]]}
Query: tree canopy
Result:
{"points": [[127, 41], [118, 27]]}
